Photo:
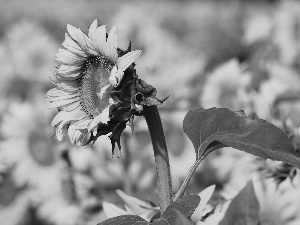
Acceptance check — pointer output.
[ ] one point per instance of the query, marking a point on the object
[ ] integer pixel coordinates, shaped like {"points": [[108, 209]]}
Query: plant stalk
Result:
{"points": [[187, 180], [164, 185]]}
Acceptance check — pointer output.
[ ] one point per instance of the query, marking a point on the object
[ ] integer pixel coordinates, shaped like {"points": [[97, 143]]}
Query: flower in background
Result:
{"points": [[286, 33], [133, 206], [166, 63], [205, 213], [234, 168], [26, 53], [97, 87], [226, 87], [28, 149], [281, 80], [279, 204]]}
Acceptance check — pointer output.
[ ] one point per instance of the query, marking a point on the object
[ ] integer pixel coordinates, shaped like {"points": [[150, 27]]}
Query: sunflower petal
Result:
{"points": [[67, 57], [70, 107], [100, 40], [72, 46], [72, 31], [66, 85], [103, 90], [85, 43], [61, 132], [126, 60], [58, 118], [103, 117], [69, 72], [92, 32], [75, 136], [111, 47]]}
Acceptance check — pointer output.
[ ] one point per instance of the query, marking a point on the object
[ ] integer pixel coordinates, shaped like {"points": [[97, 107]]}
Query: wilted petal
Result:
{"points": [[61, 132], [75, 136], [103, 117], [126, 60], [103, 90]]}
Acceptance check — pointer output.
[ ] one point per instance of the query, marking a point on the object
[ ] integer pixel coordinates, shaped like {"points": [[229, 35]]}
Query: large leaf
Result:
{"points": [[185, 205], [244, 208], [125, 220], [210, 129], [181, 219], [160, 221]]}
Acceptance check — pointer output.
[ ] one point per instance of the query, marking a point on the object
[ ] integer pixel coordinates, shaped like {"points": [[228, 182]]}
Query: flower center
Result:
{"points": [[96, 76]]}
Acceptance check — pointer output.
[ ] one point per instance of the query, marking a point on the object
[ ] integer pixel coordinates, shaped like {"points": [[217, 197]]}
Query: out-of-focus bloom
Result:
{"points": [[282, 79], [226, 87], [286, 34], [166, 63], [15, 212], [97, 87], [29, 149], [133, 206], [279, 204], [234, 168], [257, 28], [25, 67], [59, 212], [203, 214]]}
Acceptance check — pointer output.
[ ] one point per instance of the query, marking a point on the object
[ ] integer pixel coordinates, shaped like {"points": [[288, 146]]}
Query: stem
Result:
{"points": [[187, 180], [164, 185], [126, 163]]}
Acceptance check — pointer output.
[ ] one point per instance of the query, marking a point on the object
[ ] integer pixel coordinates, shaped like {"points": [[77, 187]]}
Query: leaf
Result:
{"points": [[185, 205], [181, 219], [244, 208], [125, 220], [210, 129], [160, 221]]}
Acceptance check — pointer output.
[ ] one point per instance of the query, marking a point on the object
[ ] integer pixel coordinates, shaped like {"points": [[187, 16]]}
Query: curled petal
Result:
{"points": [[101, 118], [116, 76], [103, 90], [126, 60]]}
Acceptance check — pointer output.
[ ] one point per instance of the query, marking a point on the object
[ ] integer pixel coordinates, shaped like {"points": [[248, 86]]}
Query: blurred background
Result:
{"points": [[242, 55]]}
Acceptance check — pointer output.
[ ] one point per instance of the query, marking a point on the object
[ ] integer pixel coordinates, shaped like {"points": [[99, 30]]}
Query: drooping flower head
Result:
{"points": [[97, 91]]}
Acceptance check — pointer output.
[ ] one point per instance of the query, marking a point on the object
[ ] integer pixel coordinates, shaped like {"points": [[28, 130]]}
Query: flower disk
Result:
{"points": [[89, 91]]}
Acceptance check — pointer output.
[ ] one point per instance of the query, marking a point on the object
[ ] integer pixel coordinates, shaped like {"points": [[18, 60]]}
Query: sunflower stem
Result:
{"points": [[188, 178], [164, 185]]}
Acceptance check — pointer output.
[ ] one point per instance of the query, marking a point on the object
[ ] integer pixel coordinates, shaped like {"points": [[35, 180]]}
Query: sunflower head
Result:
{"points": [[97, 89]]}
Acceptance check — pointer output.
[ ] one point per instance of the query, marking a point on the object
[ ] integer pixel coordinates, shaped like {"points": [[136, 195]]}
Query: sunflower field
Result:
{"points": [[149, 112]]}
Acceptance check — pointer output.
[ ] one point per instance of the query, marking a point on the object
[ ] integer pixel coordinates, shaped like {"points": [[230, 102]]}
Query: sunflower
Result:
{"points": [[92, 68], [26, 146]]}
